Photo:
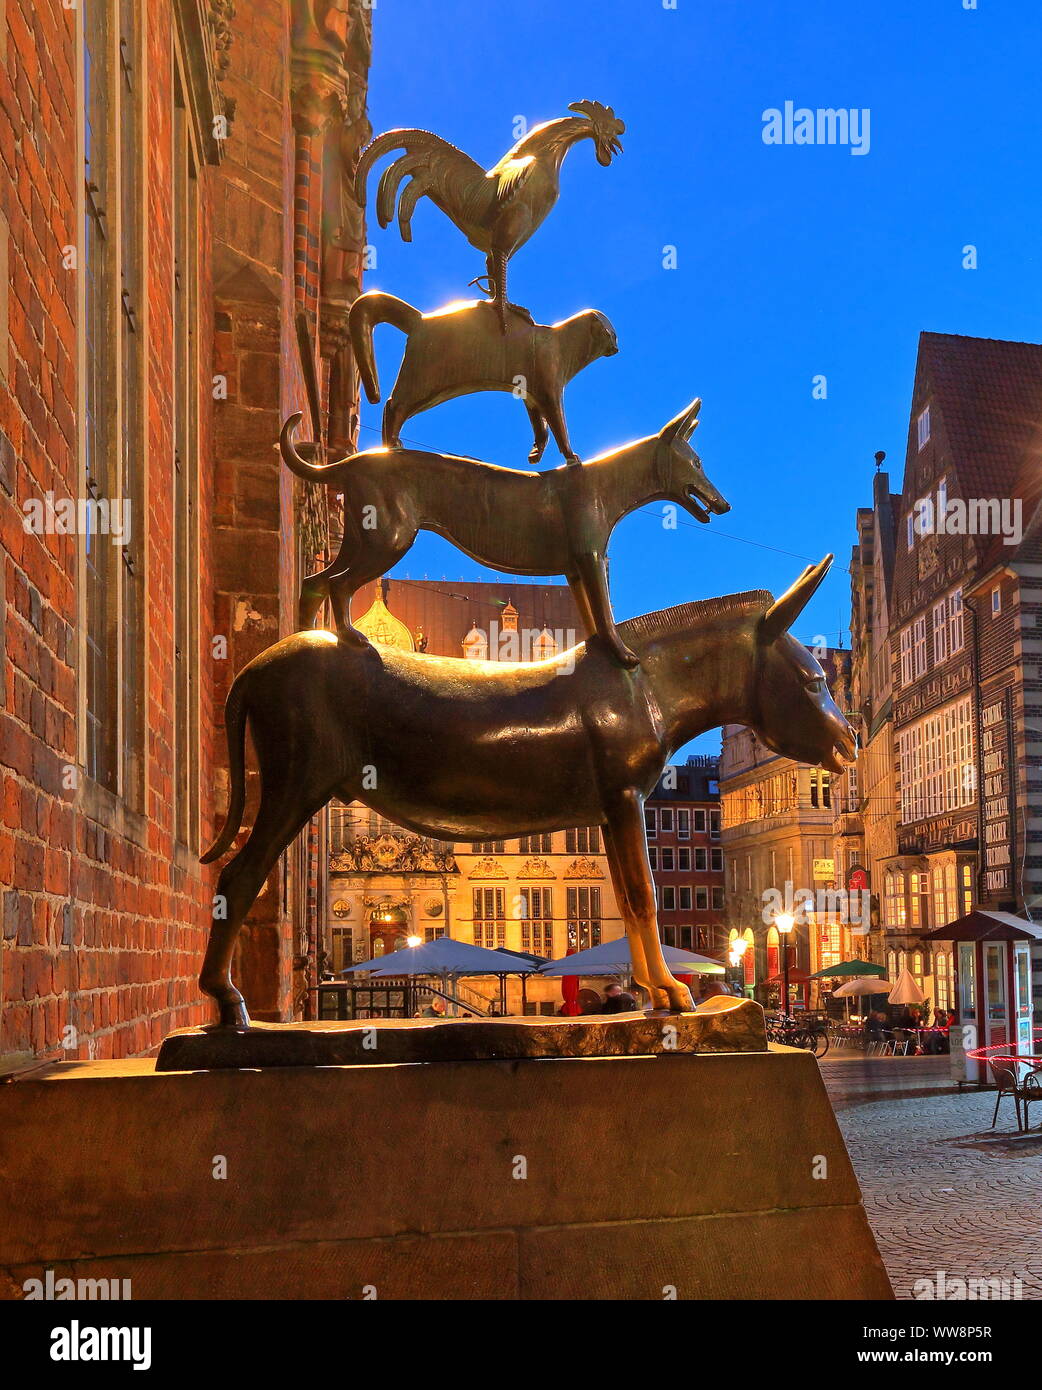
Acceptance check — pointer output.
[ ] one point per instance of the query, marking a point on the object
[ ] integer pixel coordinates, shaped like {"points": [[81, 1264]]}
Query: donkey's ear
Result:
{"points": [[784, 611], [683, 426]]}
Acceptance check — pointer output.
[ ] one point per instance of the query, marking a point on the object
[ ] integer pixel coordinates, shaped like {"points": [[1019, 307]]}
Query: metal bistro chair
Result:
{"points": [[1026, 1092]]}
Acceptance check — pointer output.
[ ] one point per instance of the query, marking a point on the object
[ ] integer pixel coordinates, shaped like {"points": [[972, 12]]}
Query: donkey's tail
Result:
{"points": [[235, 727], [367, 311]]}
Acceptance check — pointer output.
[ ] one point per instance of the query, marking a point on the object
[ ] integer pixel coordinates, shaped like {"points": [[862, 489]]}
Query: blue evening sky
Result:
{"points": [[792, 261]]}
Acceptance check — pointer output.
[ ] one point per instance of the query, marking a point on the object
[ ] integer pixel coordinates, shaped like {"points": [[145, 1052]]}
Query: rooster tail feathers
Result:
{"points": [[366, 312], [440, 170], [413, 142], [387, 192]]}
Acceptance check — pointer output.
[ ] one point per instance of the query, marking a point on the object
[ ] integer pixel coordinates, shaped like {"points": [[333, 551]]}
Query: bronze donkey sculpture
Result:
{"points": [[557, 522], [461, 750], [460, 349]]}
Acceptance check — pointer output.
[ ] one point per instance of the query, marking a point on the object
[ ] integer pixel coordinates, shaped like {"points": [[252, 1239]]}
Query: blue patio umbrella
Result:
{"points": [[613, 958], [444, 956]]}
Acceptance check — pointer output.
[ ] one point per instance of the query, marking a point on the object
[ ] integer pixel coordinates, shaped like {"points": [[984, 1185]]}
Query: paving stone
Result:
{"points": [[943, 1190]]}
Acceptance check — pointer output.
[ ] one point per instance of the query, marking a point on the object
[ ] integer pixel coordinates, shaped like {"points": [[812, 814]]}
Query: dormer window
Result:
{"points": [[544, 647], [475, 645], [923, 427]]}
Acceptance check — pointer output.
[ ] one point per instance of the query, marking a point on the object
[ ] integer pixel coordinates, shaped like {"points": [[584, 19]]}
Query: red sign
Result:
{"points": [[857, 880]]}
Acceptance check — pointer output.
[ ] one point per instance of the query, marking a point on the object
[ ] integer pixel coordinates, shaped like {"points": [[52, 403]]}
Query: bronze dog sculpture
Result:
{"points": [[462, 750], [557, 522], [496, 211], [460, 349]]}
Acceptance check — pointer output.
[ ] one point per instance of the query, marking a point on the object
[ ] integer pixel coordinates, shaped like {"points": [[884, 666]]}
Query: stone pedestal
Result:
{"points": [[711, 1176], [733, 1025]]}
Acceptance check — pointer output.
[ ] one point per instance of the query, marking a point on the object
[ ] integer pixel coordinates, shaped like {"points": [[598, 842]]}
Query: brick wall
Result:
{"points": [[103, 916], [105, 913]]}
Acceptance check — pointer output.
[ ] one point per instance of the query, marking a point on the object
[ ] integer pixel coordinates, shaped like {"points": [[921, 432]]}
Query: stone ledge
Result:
{"points": [[722, 1025], [748, 1256], [121, 1161]]}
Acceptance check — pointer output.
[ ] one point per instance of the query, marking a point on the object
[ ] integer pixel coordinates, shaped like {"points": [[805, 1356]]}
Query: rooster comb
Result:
{"points": [[602, 117]]}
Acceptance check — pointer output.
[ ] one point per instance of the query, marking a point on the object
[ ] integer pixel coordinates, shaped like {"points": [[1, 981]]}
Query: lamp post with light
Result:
{"points": [[735, 956], [785, 922]]}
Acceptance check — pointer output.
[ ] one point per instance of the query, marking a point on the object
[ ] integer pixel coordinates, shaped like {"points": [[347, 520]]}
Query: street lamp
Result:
{"points": [[785, 922], [735, 954], [412, 941]]}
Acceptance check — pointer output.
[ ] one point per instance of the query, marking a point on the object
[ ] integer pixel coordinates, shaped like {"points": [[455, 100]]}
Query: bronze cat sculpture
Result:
{"points": [[557, 522], [460, 349], [463, 750]]}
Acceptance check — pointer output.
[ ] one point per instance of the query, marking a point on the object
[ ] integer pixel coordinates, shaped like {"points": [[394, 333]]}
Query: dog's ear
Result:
{"points": [[683, 425]]}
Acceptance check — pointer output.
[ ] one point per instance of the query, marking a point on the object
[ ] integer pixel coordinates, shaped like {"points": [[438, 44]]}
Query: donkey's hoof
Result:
{"points": [[680, 1001], [624, 656], [234, 1015], [350, 636]]}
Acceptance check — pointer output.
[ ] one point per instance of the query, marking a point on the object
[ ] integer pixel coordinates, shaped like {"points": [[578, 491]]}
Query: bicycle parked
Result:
{"points": [[809, 1033]]}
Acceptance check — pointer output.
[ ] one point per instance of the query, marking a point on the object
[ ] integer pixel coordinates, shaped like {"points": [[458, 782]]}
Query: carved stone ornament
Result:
{"points": [[584, 868], [389, 853], [487, 868], [536, 868]]}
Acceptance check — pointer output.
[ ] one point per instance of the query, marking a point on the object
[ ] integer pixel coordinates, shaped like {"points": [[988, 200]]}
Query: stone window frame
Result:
{"points": [[112, 352], [186, 163], [922, 428]]}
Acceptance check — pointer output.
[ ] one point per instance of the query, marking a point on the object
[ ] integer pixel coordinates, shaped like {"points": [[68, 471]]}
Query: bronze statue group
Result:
{"points": [[463, 750]]}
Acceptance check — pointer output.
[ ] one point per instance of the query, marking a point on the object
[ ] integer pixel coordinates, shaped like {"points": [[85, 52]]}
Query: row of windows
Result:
{"points": [[680, 899], [666, 819], [948, 635], [923, 898], [780, 866], [936, 762], [584, 840], [943, 973], [771, 796], [668, 860], [535, 909]]}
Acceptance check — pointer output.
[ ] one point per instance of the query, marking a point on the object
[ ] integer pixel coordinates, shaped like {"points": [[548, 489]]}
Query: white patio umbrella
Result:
{"points": [[613, 958], [863, 985], [906, 991]]}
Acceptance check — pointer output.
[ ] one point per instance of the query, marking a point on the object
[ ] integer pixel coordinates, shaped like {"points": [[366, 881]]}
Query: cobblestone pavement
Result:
{"points": [[943, 1190]]}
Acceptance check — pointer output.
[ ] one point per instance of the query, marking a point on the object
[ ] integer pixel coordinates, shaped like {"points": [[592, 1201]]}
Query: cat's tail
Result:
{"points": [[367, 311]]}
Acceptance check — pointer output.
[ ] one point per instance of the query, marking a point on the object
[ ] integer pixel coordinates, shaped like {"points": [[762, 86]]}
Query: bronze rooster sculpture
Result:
{"points": [[496, 211]]}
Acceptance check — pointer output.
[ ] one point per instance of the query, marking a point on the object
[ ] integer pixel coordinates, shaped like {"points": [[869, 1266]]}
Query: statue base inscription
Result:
{"points": [[721, 1025]]}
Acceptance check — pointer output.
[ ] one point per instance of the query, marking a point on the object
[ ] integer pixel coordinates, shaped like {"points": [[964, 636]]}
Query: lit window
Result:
{"points": [[475, 645], [919, 645], [954, 622], [940, 631], [923, 427]]}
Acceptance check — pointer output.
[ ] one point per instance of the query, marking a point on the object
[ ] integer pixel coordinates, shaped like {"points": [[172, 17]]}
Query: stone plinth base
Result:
{"points": [[717, 1176], [735, 1025]]}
